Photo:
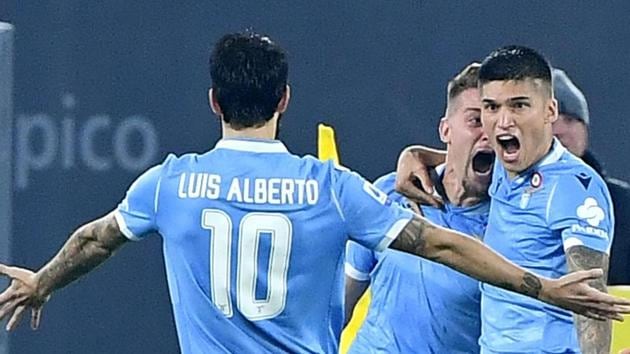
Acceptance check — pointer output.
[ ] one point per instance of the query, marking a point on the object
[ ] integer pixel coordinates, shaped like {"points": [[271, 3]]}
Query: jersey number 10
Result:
{"points": [[252, 226]]}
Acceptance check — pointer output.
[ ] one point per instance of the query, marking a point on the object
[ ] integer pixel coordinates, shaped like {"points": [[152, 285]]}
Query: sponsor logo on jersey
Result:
{"points": [[592, 213], [589, 230]]}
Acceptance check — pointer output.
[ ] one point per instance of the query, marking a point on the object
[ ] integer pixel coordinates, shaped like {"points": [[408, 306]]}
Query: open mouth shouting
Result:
{"points": [[482, 162], [510, 146]]}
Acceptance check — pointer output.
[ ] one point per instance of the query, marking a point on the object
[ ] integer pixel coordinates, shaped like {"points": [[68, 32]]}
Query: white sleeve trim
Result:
{"points": [[574, 241], [571, 242], [123, 227], [355, 274], [391, 235]]}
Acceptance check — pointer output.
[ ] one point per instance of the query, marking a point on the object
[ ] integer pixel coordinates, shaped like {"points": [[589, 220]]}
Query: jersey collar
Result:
{"points": [[252, 145], [553, 156]]}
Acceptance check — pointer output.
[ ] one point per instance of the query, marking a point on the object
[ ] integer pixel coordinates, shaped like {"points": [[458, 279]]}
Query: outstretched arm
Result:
{"points": [[87, 247], [473, 258], [594, 336]]}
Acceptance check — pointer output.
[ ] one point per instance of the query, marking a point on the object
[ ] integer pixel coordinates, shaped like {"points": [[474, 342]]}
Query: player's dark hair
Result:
{"points": [[514, 63], [249, 76], [466, 79]]}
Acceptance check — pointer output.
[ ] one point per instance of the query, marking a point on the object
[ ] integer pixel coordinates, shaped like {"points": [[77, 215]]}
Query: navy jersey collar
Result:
{"points": [[252, 145]]}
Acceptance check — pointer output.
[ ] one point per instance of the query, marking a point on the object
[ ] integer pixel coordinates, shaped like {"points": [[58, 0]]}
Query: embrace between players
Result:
{"points": [[268, 277]]}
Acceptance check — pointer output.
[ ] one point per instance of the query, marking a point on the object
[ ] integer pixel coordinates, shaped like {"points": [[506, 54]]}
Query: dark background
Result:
{"points": [[375, 70]]}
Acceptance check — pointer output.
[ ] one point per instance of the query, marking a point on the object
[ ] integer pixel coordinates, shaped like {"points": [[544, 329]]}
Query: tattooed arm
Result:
{"points": [[594, 336], [88, 247], [466, 255], [471, 257]]}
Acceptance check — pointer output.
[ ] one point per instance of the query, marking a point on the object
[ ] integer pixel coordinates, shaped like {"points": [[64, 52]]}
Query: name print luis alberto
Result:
{"points": [[274, 191]]}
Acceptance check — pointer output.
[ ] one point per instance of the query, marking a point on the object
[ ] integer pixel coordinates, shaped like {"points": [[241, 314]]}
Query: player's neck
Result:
{"points": [[267, 131], [544, 149], [453, 180]]}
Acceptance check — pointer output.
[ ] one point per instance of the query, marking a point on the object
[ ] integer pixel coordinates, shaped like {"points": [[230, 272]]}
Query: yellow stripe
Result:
{"points": [[358, 317], [620, 330], [327, 150], [326, 145]]}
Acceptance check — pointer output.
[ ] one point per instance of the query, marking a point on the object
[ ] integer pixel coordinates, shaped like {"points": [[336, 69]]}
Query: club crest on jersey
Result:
{"points": [[536, 180]]}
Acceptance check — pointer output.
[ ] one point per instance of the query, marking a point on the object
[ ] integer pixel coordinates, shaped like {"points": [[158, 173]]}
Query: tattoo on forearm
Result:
{"points": [[594, 335], [531, 285], [86, 248], [412, 239], [581, 257]]}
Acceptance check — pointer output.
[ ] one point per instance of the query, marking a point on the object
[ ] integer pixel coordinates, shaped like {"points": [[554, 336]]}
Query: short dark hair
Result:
{"points": [[249, 77], [514, 63], [466, 79]]}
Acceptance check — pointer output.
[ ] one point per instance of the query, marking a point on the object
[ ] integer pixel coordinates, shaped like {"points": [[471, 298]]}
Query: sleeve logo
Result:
{"points": [[375, 193], [591, 212]]}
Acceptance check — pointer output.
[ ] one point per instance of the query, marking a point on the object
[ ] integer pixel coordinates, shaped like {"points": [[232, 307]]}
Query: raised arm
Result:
{"points": [[473, 258], [87, 247], [412, 173]]}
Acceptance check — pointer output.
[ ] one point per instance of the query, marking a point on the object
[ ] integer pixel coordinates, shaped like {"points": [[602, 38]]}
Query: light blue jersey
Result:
{"points": [[418, 306], [254, 241], [534, 218]]}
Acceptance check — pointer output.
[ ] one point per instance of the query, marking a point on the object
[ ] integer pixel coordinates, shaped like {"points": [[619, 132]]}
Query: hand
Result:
{"points": [[572, 292], [21, 295], [413, 166]]}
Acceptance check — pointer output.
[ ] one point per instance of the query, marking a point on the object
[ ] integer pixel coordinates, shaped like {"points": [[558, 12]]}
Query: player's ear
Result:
{"points": [[445, 130], [284, 100], [552, 111], [213, 103]]}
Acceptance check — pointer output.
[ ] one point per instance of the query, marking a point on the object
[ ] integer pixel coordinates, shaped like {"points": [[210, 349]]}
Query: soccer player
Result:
{"points": [[418, 306], [254, 236], [550, 212]]}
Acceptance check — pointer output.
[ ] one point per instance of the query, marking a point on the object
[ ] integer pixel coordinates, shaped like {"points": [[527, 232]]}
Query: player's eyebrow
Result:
{"points": [[518, 98], [511, 99]]}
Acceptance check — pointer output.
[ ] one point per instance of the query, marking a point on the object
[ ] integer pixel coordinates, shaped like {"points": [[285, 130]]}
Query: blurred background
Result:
{"points": [[104, 89]]}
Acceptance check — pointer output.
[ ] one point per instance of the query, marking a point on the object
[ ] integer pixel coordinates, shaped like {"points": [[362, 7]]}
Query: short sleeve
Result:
{"points": [[581, 209], [369, 216], [136, 213], [359, 261]]}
